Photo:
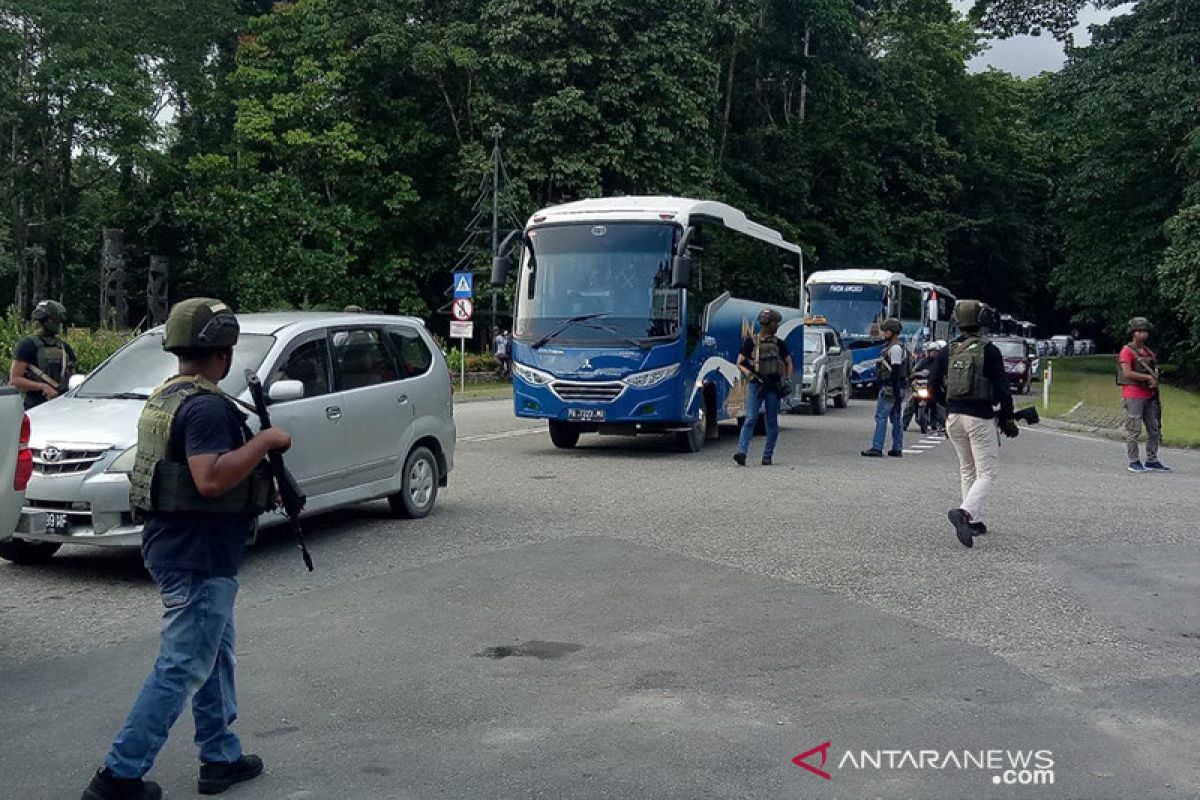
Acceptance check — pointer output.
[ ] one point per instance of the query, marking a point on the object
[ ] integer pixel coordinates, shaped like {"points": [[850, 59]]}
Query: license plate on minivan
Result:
{"points": [[585, 414]]}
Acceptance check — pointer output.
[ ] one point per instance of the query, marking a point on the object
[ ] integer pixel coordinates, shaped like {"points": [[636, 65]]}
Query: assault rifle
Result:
{"points": [[289, 490]]}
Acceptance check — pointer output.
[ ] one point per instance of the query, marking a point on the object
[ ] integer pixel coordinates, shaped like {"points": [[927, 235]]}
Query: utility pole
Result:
{"points": [[497, 131]]}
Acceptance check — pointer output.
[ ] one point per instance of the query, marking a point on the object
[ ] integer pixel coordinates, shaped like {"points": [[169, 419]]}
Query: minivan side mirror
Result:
{"points": [[75, 381], [282, 391], [835, 350]]}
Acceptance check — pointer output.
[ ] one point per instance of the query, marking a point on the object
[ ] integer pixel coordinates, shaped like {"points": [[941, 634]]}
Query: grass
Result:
{"points": [[1084, 391], [487, 390]]}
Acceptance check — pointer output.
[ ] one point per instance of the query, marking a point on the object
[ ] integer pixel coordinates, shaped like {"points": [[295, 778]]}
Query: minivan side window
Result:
{"points": [[309, 364], [411, 351], [361, 358]]}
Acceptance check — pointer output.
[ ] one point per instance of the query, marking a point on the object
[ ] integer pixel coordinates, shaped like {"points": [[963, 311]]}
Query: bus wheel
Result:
{"points": [[693, 440], [563, 434]]}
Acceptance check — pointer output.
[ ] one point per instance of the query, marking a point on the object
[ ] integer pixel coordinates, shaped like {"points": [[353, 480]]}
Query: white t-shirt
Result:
{"points": [[896, 354]]}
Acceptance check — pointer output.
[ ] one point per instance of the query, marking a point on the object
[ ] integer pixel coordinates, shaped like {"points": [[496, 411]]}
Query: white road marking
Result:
{"points": [[488, 437], [1074, 408], [912, 452]]}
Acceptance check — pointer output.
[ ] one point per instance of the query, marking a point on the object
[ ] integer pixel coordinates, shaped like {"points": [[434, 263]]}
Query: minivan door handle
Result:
{"points": [[333, 412], [402, 399]]}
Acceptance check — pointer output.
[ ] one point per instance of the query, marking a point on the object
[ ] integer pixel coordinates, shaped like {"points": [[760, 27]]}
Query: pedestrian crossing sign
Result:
{"points": [[464, 284]]}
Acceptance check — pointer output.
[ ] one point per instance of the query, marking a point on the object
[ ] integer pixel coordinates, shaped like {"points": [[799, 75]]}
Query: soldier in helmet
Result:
{"points": [[1137, 375], [43, 363], [894, 369], [199, 481], [767, 365], [970, 374]]}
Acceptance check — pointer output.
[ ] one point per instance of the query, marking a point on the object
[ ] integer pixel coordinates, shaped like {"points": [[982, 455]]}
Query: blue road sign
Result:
{"points": [[464, 284]]}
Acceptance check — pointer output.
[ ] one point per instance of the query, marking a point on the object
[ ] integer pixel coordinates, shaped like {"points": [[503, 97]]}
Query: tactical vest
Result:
{"points": [[161, 483], [884, 368], [768, 362], [53, 361], [965, 377], [1143, 364]]}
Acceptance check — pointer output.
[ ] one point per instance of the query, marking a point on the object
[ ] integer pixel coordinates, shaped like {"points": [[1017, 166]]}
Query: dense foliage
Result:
{"points": [[323, 152]]}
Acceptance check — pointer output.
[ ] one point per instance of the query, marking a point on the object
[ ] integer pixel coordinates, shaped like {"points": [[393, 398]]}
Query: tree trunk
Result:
{"points": [[728, 104], [804, 75]]}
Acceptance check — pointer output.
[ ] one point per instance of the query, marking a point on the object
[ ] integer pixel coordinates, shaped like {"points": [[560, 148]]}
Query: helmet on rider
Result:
{"points": [[769, 319], [1140, 324], [891, 324]]}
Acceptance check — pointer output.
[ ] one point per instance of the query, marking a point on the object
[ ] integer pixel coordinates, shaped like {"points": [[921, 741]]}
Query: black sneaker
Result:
{"points": [[978, 528], [766, 462], [896, 453], [872, 453], [105, 786], [740, 458], [962, 526], [218, 776], [1157, 466]]}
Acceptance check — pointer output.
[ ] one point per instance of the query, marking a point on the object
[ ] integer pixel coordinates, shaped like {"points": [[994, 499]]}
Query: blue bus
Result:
{"points": [[630, 313], [856, 301]]}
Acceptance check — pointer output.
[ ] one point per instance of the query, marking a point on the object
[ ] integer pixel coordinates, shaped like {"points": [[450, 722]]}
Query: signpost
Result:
{"points": [[462, 310]]}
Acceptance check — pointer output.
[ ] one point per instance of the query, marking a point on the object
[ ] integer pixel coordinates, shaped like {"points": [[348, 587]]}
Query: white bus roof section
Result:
{"points": [[658, 209], [879, 276]]}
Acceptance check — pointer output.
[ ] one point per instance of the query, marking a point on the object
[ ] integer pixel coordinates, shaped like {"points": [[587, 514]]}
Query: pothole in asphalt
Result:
{"points": [[534, 648]]}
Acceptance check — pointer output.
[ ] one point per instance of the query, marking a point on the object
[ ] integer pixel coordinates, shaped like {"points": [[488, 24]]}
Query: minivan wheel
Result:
{"points": [[564, 434], [419, 486], [27, 553]]}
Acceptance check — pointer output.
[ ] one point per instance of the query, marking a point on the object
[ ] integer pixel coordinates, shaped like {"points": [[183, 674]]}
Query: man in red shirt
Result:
{"points": [[1137, 374]]}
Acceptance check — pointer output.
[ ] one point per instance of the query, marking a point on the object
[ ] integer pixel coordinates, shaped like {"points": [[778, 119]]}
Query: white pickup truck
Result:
{"points": [[16, 465]]}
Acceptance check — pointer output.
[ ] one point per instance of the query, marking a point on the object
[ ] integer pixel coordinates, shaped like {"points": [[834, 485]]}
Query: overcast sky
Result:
{"points": [[1029, 55]]}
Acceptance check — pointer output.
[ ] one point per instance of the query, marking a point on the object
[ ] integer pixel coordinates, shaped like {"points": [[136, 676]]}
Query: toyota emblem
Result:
{"points": [[51, 455]]}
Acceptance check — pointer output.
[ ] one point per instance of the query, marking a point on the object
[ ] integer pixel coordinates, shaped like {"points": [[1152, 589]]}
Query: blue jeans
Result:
{"points": [[757, 396], [195, 660], [888, 408]]}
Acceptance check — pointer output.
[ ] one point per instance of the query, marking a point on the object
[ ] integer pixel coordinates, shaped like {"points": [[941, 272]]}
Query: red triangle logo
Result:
{"points": [[823, 749]]}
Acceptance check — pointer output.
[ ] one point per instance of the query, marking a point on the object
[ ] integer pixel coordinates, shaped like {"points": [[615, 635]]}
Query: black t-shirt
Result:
{"points": [[748, 355], [27, 351], [993, 372], [209, 543]]}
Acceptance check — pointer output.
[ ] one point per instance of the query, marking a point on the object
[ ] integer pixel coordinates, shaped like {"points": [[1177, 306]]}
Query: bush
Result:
{"points": [[91, 347], [475, 362]]}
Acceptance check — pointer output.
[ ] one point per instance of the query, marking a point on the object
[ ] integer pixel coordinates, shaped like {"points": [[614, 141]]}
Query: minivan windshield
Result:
{"points": [[1011, 349], [141, 366]]}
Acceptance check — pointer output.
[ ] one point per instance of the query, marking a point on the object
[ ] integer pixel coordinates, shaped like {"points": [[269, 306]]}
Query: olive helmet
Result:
{"points": [[1140, 324], [968, 314], [200, 323], [49, 309], [891, 324], [769, 318]]}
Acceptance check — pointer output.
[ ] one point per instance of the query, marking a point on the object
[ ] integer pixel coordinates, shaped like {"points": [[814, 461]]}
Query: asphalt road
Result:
{"points": [[622, 621]]}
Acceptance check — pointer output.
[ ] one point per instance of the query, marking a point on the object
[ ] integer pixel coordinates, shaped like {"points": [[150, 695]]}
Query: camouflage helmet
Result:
{"points": [[1139, 324], [891, 324], [49, 309], [769, 318], [200, 323], [968, 314]]}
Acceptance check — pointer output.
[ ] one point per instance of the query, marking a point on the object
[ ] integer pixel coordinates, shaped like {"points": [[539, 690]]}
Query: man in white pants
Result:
{"points": [[971, 374]]}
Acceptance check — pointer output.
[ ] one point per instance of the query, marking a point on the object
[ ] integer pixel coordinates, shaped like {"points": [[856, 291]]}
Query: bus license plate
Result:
{"points": [[586, 414]]}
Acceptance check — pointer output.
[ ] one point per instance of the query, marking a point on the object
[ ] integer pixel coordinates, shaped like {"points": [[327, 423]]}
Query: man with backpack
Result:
{"points": [[894, 370], [971, 372], [767, 366], [1137, 375]]}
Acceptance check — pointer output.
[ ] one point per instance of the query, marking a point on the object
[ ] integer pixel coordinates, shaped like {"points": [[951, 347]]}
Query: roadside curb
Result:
{"points": [[1099, 432]]}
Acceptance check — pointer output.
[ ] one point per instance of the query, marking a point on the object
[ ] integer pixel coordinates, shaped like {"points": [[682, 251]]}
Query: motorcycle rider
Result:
{"points": [[921, 371]]}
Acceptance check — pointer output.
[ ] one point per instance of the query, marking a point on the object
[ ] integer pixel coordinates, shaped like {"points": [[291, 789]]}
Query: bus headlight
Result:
{"points": [[641, 380], [530, 375], [124, 462]]}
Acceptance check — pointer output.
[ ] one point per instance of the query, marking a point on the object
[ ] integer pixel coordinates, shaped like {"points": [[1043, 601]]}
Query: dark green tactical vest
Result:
{"points": [[53, 361], [884, 368], [768, 362], [965, 378], [1143, 364], [160, 484]]}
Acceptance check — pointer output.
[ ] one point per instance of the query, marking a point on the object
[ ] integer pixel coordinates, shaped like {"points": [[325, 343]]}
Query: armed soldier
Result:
{"points": [[894, 370], [43, 363], [1137, 375], [200, 481], [971, 374], [767, 364]]}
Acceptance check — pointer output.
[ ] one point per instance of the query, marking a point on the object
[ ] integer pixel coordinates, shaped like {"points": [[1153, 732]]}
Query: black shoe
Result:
{"points": [[978, 528], [106, 787], [218, 776], [872, 453], [740, 458], [766, 462], [896, 453], [962, 526]]}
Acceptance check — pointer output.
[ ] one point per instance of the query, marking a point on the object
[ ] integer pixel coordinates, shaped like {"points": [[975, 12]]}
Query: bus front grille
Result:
{"points": [[587, 392]]}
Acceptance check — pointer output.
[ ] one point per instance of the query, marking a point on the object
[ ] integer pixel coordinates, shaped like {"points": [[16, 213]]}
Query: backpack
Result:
{"points": [[965, 379], [767, 361]]}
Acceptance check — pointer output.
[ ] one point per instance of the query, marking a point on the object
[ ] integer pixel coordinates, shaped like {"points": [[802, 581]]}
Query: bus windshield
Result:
{"points": [[615, 277], [853, 309]]}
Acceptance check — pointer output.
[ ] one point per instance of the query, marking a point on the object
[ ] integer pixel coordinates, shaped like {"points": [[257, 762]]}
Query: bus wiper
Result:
{"points": [[640, 345], [566, 324]]}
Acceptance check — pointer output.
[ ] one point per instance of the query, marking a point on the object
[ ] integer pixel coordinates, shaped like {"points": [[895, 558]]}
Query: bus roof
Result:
{"points": [[682, 210], [879, 276]]}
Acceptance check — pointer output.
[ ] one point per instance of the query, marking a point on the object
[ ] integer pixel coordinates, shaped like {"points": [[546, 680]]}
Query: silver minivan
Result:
{"points": [[366, 397]]}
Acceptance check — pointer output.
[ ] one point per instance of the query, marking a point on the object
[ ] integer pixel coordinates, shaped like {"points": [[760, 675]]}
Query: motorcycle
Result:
{"points": [[922, 403]]}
